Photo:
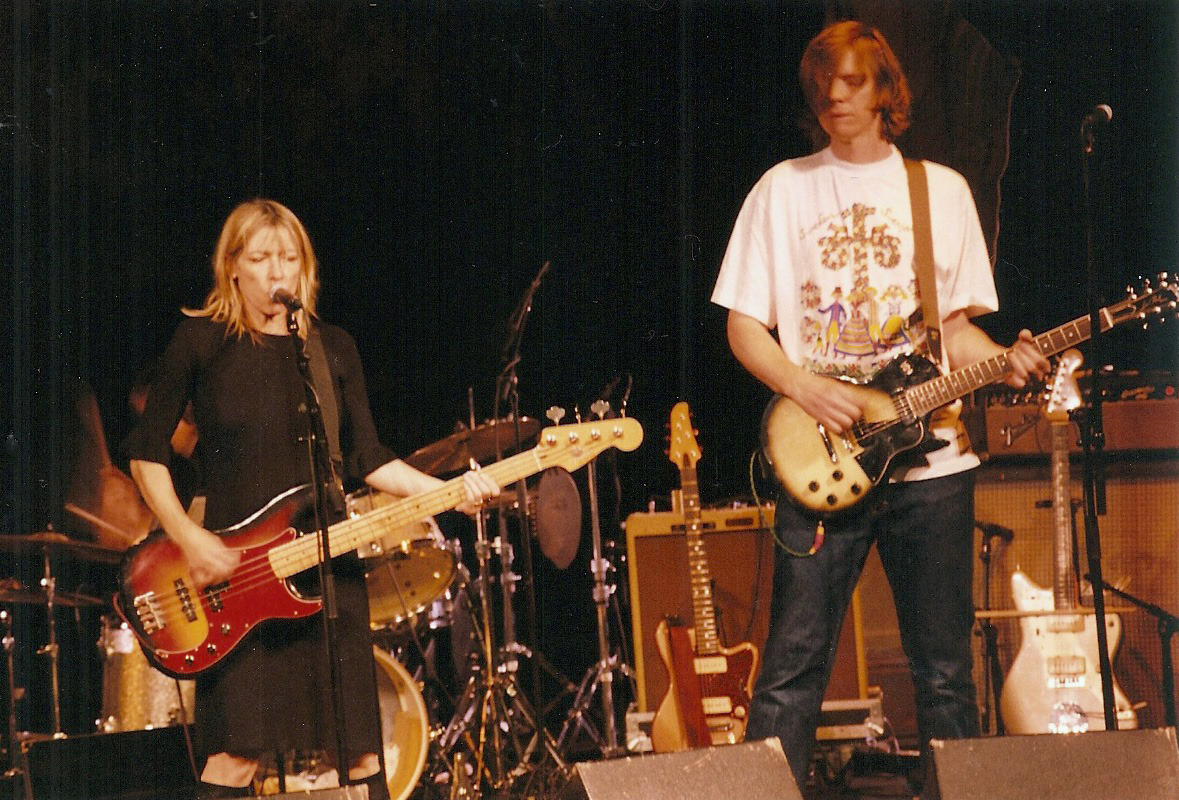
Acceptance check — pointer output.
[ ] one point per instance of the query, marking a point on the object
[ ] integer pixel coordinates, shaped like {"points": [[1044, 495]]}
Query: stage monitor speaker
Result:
{"points": [[753, 769], [1100, 765], [131, 765]]}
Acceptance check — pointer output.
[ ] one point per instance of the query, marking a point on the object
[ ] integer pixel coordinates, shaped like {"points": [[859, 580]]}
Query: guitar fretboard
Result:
{"points": [[1062, 516], [934, 394], [569, 446], [700, 578]]}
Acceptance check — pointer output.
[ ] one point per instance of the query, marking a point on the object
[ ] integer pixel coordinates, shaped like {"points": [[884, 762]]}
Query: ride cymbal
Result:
{"points": [[454, 453]]}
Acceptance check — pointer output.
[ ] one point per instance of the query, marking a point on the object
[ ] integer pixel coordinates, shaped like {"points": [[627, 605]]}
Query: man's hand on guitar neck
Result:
{"points": [[1025, 360], [967, 344]]}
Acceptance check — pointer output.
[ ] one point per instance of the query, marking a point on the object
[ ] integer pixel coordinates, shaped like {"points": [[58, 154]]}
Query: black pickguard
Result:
{"points": [[908, 438]]}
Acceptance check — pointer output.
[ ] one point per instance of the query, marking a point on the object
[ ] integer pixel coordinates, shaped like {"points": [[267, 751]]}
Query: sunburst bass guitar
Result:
{"points": [[185, 630], [710, 686], [826, 472]]}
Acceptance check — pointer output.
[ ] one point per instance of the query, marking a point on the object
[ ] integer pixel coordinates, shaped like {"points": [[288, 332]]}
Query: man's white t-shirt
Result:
{"points": [[822, 250]]}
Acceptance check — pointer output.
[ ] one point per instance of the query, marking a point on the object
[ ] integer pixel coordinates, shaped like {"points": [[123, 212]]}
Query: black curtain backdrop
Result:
{"points": [[440, 153]]}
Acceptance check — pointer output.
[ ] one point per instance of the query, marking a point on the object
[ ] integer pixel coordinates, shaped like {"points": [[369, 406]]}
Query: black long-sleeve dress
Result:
{"points": [[272, 692]]}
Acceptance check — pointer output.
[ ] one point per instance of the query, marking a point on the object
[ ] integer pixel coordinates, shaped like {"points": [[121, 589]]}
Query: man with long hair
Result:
{"points": [[833, 231]]}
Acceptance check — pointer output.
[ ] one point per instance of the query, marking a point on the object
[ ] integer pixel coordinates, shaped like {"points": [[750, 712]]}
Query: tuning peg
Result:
{"points": [[556, 414], [600, 408]]}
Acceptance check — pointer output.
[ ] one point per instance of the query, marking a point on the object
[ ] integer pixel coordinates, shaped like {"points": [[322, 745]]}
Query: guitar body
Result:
{"points": [[185, 631], [725, 683], [1054, 685], [825, 472]]}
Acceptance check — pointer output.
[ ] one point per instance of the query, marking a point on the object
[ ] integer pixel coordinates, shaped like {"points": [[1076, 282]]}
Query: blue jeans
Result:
{"points": [[924, 533]]}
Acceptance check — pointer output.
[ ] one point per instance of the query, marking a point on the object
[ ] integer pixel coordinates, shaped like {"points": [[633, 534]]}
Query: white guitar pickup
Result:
{"points": [[148, 611], [711, 665], [717, 706], [1067, 667]]}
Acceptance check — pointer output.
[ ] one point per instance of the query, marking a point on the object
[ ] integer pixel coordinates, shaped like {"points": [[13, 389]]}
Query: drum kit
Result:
{"points": [[422, 592]]}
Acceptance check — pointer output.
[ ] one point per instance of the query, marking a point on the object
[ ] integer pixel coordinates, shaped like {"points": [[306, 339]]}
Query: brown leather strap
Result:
{"points": [[923, 255]]}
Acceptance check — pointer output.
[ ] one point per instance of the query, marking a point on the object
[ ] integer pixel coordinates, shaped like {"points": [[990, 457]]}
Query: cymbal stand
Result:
{"points": [[16, 753], [493, 718], [49, 584], [601, 674]]}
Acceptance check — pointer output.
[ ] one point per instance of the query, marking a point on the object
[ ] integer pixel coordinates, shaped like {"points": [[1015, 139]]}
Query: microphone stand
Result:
{"points": [[1168, 625], [317, 454], [1093, 440], [508, 389], [993, 685]]}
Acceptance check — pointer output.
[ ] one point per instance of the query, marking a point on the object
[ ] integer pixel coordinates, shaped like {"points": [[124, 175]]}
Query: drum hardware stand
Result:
{"points": [[601, 674], [512, 649], [49, 583], [507, 726], [16, 752]]}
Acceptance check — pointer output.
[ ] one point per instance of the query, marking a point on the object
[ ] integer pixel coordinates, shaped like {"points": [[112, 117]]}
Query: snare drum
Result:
{"points": [[409, 585], [410, 571], [135, 695]]}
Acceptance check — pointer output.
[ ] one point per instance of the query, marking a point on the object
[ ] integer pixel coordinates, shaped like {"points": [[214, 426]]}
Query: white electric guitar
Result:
{"points": [[1054, 685]]}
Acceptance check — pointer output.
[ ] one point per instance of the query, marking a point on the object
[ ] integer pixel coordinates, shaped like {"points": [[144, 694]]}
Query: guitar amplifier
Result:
{"points": [[739, 545]]}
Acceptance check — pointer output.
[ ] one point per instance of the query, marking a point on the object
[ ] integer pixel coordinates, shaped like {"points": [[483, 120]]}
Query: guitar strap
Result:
{"points": [[321, 377], [923, 255]]}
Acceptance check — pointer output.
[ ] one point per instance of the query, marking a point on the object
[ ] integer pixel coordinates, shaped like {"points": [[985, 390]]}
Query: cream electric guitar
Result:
{"points": [[710, 686], [826, 473], [1054, 685]]}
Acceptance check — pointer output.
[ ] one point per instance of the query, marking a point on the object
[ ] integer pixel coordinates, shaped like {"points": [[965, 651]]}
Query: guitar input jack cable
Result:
{"points": [[820, 531]]}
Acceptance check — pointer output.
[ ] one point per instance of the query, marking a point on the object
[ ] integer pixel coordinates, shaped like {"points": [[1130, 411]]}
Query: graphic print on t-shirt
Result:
{"points": [[858, 309]]}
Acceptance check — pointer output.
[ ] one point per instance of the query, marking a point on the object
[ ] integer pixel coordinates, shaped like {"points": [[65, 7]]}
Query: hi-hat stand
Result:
{"points": [[493, 720], [600, 675]]}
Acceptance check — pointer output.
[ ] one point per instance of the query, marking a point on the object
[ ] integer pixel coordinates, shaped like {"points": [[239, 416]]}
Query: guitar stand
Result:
{"points": [[1168, 626], [601, 674]]}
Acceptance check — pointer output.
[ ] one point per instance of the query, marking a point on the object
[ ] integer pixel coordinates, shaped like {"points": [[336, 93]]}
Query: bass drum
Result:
{"points": [[405, 726]]}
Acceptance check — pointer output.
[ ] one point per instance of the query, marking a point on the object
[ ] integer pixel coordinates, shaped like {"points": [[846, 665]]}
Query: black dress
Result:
{"points": [[273, 692]]}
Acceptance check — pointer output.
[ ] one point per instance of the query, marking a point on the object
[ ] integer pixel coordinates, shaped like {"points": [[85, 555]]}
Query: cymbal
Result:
{"points": [[55, 544], [14, 592], [454, 453]]}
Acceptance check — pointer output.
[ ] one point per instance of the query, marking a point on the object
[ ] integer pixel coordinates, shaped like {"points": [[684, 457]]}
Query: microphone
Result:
{"points": [[1098, 116], [992, 529], [281, 295]]}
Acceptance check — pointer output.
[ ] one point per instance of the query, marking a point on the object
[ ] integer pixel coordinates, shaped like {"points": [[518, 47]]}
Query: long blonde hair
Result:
{"points": [[224, 302]]}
